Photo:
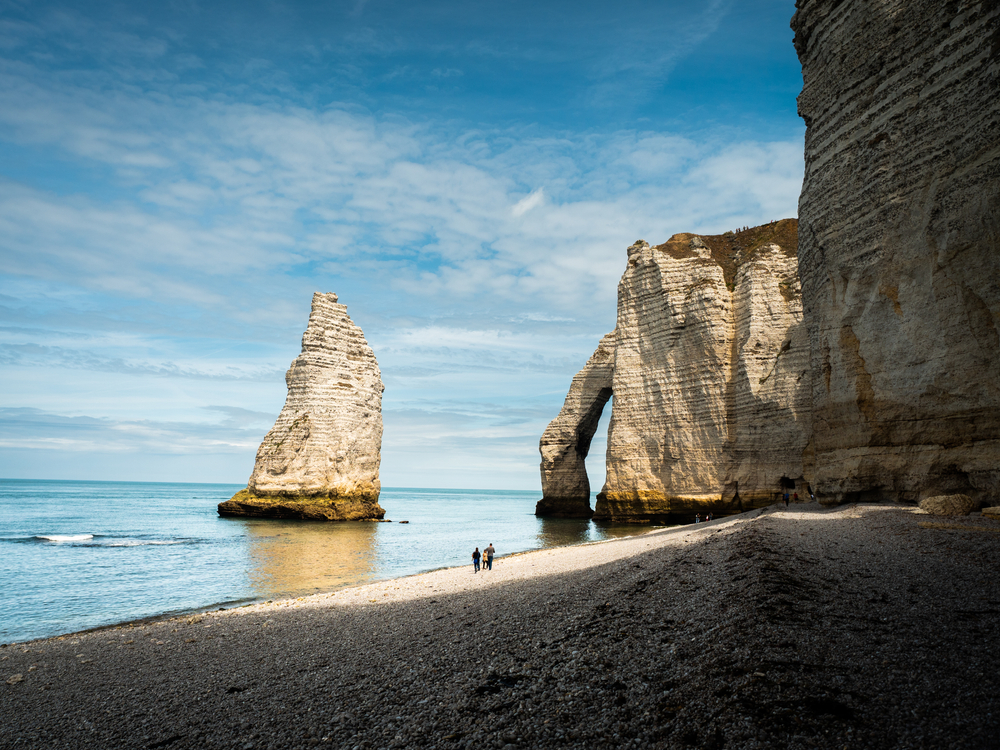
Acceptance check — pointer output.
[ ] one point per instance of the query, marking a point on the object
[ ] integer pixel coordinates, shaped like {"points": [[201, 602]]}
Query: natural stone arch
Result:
{"points": [[566, 441]]}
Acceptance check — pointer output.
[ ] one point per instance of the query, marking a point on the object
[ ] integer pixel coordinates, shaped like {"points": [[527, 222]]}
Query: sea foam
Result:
{"points": [[65, 537]]}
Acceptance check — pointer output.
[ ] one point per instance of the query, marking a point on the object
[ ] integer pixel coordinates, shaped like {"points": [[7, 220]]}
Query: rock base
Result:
{"points": [[564, 507], [341, 508], [656, 508]]}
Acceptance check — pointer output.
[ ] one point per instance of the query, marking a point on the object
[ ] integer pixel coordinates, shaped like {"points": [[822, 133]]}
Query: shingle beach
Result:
{"points": [[860, 626]]}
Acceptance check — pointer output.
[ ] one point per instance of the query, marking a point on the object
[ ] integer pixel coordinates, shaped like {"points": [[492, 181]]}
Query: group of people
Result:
{"points": [[486, 556], [697, 517]]}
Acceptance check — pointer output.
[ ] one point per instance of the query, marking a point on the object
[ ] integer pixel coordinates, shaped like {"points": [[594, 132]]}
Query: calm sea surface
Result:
{"points": [[76, 555]]}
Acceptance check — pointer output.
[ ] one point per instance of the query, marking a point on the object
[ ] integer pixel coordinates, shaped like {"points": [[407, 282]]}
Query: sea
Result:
{"points": [[80, 555]]}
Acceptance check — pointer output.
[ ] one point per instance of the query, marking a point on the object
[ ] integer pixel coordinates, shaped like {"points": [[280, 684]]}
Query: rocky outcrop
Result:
{"points": [[900, 246], [321, 458], [566, 441], [948, 505], [710, 407]]}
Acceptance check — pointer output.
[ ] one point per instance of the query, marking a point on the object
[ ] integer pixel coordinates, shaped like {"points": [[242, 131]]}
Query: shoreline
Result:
{"points": [[805, 627], [227, 605], [221, 606]]}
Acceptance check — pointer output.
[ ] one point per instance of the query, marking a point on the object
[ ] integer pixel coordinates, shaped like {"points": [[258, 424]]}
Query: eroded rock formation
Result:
{"points": [[710, 404], [566, 441], [321, 458], [710, 407], [900, 245]]}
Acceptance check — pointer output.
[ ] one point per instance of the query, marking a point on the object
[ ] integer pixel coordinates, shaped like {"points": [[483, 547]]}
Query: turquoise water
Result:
{"points": [[77, 555]]}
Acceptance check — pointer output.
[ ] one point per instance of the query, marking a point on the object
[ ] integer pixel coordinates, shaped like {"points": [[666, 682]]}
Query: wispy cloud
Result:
{"points": [[266, 189], [28, 428], [528, 202]]}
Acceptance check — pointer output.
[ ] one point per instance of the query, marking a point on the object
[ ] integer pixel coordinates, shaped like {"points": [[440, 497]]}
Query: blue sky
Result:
{"points": [[177, 180]]}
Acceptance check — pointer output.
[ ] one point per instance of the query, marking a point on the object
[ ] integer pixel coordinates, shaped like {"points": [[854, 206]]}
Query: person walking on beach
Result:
{"points": [[475, 560], [795, 497], [489, 556], [786, 499], [697, 517]]}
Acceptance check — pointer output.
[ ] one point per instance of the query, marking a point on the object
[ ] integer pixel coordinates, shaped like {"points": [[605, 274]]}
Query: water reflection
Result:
{"points": [[559, 532], [297, 558], [292, 558]]}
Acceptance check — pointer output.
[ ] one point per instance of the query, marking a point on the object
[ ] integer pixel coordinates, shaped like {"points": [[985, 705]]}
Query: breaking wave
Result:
{"points": [[65, 537]]}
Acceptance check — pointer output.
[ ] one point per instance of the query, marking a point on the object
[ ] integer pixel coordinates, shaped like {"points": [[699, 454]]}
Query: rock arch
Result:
{"points": [[708, 366], [566, 441]]}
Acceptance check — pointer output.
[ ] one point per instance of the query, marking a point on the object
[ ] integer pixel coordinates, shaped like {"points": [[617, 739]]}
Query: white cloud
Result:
{"points": [[528, 202]]}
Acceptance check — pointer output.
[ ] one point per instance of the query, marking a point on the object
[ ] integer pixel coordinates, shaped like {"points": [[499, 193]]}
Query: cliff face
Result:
{"points": [[900, 245], [770, 400], [710, 407], [673, 349], [321, 458], [710, 404], [566, 441]]}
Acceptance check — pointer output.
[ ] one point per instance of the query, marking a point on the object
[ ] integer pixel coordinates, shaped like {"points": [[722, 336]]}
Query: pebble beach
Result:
{"points": [[869, 626]]}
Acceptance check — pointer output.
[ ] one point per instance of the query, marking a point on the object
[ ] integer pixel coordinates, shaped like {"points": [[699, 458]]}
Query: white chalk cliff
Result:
{"points": [[321, 458], [877, 378], [710, 403], [900, 246]]}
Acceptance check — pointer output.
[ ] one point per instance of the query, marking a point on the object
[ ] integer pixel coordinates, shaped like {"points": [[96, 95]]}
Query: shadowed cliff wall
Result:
{"points": [[899, 245]]}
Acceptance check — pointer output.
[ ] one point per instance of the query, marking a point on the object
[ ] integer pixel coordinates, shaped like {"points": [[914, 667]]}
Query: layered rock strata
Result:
{"points": [[710, 408], [900, 246], [321, 459], [566, 441], [708, 360]]}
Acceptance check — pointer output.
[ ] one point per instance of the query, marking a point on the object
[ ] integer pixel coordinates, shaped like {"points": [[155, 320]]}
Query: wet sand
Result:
{"points": [[859, 626]]}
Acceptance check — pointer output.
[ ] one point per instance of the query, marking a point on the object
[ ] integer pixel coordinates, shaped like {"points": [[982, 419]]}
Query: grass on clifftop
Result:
{"points": [[732, 249]]}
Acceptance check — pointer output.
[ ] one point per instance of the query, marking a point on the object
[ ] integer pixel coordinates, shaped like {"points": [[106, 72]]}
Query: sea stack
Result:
{"points": [[899, 246], [707, 371], [321, 459]]}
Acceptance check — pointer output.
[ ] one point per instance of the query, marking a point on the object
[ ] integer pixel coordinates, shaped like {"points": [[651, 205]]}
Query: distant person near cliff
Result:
{"points": [[489, 556], [475, 560]]}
